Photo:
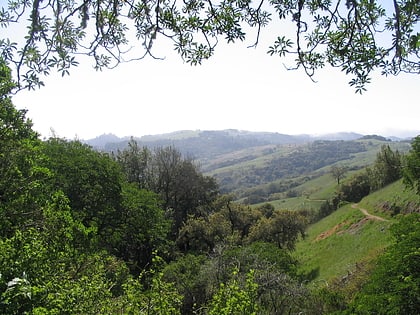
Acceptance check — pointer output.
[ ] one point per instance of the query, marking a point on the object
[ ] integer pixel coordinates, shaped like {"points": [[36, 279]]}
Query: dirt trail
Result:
{"points": [[367, 214], [351, 229]]}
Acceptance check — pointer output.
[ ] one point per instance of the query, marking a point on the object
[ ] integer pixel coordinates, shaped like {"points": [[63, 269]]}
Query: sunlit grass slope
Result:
{"points": [[346, 239], [391, 198], [337, 243]]}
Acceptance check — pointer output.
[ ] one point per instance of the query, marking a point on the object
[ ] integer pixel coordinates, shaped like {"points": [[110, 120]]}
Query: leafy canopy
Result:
{"points": [[23, 191], [357, 36]]}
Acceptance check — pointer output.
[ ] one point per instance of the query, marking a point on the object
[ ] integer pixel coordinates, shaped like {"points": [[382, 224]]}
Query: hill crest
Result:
{"points": [[108, 141]]}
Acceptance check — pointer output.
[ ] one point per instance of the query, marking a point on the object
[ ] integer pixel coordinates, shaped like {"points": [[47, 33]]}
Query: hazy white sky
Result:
{"points": [[240, 88]]}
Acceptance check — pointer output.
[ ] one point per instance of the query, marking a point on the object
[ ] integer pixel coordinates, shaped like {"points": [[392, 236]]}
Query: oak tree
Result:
{"points": [[338, 172], [283, 228]]}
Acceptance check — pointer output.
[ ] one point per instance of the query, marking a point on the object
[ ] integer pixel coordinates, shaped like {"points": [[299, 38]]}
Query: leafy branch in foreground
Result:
{"points": [[357, 36], [232, 299]]}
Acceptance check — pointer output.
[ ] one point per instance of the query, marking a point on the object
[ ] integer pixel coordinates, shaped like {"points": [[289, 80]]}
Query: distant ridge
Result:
{"points": [[182, 134], [206, 143], [200, 142]]}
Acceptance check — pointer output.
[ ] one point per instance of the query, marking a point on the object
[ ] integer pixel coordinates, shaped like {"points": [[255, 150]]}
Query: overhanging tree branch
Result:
{"points": [[346, 35]]}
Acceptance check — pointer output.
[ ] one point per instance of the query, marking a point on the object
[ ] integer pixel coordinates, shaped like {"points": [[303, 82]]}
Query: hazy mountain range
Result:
{"points": [[201, 143]]}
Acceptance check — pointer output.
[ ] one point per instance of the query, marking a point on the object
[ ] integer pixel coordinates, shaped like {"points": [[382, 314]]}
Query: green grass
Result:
{"points": [[395, 194], [319, 188], [296, 203], [344, 244], [311, 194], [259, 158]]}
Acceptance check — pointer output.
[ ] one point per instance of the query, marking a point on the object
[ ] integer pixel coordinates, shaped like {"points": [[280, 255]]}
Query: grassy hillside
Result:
{"points": [[391, 200], [337, 243], [295, 185], [347, 240], [309, 195]]}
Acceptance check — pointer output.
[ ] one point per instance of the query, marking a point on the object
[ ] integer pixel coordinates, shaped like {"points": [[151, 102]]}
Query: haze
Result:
{"points": [[239, 88]]}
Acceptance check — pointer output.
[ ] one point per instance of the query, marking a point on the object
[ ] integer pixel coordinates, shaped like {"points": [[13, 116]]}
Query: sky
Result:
{"points": [[238, 88]]}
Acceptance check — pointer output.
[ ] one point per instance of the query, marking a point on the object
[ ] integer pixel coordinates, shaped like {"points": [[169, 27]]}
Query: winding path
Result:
{"points": [[367, 214]]}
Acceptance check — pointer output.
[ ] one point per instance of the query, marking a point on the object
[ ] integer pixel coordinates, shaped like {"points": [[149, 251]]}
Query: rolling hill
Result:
{"points": [[261, 166]]}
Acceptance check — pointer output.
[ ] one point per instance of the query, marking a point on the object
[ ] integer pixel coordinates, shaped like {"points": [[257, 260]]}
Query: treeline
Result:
{"points": [[138, 232]]}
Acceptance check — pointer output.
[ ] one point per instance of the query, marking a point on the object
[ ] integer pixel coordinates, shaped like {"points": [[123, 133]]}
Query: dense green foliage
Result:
{"points": [[22, 181], [143, 228], [184, 190], [56, 269], [387, 168], [349, 35], [356, 188], [89, 179], [231, 299], [61, 222]]}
